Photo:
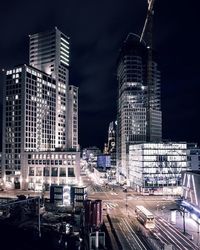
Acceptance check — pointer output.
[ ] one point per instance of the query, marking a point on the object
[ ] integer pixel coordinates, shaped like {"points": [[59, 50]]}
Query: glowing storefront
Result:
{"points": [[157, 167]]}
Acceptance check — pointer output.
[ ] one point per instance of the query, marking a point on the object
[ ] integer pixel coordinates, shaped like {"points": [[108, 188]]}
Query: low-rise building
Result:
{"points": [[60, 195], [103, 161], [78, 196], [157, 167], [100, 175], [93, 214], [90, 154], [193, 153], [47, 168]]}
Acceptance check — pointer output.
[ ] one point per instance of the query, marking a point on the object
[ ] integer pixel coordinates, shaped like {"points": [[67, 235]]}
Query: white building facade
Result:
{"points": [[36, 118], [46, 168], [156, 168]]}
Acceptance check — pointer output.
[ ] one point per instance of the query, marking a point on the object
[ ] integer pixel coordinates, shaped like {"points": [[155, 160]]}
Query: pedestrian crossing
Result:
{"points": [[110, 205]]}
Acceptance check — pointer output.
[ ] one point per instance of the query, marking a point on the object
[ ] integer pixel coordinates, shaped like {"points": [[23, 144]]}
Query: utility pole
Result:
{"points": [[126, 203], [198, 232]]}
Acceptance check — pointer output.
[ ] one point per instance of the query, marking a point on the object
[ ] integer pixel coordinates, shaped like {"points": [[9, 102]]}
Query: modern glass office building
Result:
{"points": [[157, 167]]}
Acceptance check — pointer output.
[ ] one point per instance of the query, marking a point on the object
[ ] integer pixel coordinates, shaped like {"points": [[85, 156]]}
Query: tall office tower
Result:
{"points": [[29, 159], [49, 52], [72, 117], [139, 113], [37, 120], [29, 116]]}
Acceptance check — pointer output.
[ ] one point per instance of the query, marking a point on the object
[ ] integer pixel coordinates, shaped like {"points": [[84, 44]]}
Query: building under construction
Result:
{"points": [[139, 109]]}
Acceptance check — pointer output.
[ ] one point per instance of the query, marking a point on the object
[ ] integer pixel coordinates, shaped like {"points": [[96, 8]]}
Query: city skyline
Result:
{"points": [[95, 48]]}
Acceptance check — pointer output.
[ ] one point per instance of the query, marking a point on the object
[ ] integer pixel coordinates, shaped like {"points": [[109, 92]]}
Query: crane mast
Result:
{"points": [[148, 22], [147, 33]]}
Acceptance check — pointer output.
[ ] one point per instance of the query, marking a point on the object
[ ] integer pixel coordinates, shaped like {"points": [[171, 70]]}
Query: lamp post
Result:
{"points": [[198, 232], [39, 222], [182, 212], [126, 202]]}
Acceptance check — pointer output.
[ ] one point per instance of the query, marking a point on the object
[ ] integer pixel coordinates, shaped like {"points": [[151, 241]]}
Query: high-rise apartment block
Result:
{"points": [[139, 112], [37, 118]]}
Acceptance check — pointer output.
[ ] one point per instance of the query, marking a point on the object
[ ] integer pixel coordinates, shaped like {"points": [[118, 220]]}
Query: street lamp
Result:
{"points": [[126, 202], [198, 232], [182, 212]]}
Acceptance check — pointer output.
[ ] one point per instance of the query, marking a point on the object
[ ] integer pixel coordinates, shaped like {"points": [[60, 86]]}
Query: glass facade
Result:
{"points": [[139, 114], [154, 166]]}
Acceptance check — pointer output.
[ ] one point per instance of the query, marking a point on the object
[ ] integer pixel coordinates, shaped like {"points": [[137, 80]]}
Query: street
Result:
{"points": [[120, 206]]}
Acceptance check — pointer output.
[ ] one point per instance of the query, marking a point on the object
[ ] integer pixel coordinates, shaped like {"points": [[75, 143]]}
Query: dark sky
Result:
{"points": [[97, 30]]}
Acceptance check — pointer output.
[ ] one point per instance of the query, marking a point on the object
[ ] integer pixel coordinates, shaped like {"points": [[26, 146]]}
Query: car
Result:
{"points": [[68, 226]]}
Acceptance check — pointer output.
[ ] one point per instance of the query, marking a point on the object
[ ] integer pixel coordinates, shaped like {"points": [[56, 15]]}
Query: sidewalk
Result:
{"points": [[191, 227]]}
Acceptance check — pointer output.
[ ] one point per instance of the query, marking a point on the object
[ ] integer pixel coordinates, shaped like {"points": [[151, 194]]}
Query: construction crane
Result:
{"points": [[147, 33], [148, 23]]}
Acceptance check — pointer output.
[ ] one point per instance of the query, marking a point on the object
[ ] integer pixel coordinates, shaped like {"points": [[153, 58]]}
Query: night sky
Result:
{"points": [[97, 29]]}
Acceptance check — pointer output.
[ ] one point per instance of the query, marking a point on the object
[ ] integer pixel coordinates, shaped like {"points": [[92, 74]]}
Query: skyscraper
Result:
{"points": [[139, 112], [49, 52], [37, 117]]}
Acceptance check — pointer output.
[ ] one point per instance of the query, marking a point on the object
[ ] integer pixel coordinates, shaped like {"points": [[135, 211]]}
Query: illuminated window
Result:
{"points": [[71, 172], [62, 172], [38, 171], [54, 172], [46, 171], [31, 171]]}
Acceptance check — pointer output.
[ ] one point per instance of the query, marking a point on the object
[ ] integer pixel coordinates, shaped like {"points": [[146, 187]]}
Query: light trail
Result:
{"points": [[136, 238], [174, 235], [171, 238]]}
